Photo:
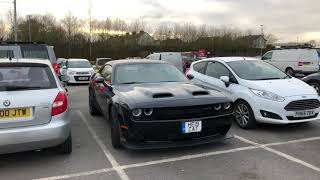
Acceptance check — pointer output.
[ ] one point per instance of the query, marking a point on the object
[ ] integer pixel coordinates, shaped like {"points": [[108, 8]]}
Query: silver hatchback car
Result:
{"points": [[34, 110]]}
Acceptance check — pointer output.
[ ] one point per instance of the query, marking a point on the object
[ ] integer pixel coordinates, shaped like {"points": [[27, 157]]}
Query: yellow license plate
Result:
{"points": [[14, 113]]}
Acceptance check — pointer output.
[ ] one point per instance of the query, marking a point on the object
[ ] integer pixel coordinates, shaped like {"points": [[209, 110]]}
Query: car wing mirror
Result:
{"points": [[99, 80], [226, 80], [190, 76]]}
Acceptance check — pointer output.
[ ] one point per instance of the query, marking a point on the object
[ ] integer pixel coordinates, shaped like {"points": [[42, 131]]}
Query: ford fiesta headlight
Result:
{"points": [[267, 95]]}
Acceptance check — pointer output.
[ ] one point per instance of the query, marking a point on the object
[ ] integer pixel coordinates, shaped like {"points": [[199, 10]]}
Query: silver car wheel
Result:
{"points": [[242, 115]]}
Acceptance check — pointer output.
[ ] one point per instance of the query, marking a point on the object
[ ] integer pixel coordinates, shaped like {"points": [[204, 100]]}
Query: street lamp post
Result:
{"points": [[15, 20], [29, 18]]}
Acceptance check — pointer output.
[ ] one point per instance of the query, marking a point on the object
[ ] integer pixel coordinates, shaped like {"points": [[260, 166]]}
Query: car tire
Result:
{"points": [[244, 116], [224, 130], [94, 111], [316, 86], [65, 147], [289, 71], [115, 130]]}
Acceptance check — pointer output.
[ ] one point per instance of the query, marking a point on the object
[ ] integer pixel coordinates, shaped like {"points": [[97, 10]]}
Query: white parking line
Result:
{"points": [[88, 173], [291, 158], [188, 157], [109, 156]]}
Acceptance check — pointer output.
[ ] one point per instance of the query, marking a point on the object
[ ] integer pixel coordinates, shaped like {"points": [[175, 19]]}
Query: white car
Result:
{"points": [[173, 58], [292, 61], [34, 111], [78, 70], [261, 92]]}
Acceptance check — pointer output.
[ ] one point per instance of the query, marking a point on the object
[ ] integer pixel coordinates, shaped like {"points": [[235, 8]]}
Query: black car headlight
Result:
{"points": [[227, 106], [217, 107], [148, 111], [136, 112]]}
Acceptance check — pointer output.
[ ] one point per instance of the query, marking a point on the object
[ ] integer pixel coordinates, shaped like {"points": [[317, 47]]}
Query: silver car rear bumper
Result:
{"points": [[36, 137]]}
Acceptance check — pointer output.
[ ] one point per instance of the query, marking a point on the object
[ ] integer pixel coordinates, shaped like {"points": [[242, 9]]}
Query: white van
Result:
{"points": [[292, 61], [173, 58]]}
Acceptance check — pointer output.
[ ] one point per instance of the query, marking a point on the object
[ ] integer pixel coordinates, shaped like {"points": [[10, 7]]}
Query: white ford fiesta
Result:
{"points": [[261, 92]]}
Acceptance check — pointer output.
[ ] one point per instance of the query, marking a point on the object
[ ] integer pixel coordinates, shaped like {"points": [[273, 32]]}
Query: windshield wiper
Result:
{"points": [[268, 78]]}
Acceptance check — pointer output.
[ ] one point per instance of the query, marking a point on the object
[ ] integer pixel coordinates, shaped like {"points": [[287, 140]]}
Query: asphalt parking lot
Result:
{"points": [[269, 152]]}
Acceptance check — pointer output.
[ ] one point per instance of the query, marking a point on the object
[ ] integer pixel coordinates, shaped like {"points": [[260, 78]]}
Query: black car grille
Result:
{"points": [[82, 72], [301, 105], [186, 112]]}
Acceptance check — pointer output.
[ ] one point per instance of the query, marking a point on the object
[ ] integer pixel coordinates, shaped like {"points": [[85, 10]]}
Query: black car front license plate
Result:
{"points": [[191, 127]]}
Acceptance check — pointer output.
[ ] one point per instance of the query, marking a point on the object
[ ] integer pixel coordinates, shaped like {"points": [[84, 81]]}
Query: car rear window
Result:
{"points": [[25, 76], [35, 52]]}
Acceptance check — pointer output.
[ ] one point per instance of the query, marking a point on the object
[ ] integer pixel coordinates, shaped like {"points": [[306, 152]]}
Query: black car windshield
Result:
{"points": [[79, 64], [256, 70], [147, 73], [17, 77], [101, 62]]}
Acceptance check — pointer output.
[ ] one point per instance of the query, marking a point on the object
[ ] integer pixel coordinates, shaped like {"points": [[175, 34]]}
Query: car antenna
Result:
{"points": [[10, 58]]}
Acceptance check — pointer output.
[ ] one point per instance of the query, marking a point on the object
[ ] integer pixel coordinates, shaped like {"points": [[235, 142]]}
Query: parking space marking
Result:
{"points": [[88, 173], [292, 141], [109, 156], [279, 153], [188, 157]]}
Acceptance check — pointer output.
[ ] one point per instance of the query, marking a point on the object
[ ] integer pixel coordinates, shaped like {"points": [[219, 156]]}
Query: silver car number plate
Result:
{"points": [[304, 113]]}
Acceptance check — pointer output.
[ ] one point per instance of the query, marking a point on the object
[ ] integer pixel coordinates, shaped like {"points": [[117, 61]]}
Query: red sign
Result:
{"points": [[202, 52]]}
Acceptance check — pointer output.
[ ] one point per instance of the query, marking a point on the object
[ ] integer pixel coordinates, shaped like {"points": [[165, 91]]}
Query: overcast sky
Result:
{"points": [[287, 19]]}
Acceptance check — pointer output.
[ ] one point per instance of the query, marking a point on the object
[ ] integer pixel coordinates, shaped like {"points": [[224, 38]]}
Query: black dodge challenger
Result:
{"points": [[151, 104]]}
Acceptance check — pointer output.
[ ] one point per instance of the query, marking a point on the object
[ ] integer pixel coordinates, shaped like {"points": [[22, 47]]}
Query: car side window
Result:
{"points": [[267, 56], [106, 73], [216, 70], [6, 54], [200, 67]]}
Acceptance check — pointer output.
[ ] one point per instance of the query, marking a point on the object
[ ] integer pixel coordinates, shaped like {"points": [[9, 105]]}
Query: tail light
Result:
{"points": [[60, 104], [56, 67], [300, 63]]}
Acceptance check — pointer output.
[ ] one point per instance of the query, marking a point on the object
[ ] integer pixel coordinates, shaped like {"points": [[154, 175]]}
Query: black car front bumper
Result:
{"points": [[168, 134]]}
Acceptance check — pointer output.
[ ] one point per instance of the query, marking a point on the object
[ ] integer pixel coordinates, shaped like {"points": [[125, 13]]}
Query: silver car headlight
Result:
{"points": [[267, 95]]}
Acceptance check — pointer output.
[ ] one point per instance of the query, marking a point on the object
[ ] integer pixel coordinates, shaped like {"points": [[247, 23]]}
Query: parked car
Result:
{"points": [[101, 61], [173, 58], [292, 61], [261, 92], [314, 81], [78, 70], [150, 104], [29, 50], [34, 110]]}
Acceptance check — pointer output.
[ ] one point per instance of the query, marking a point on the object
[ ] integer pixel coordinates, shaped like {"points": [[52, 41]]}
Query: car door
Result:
{"points": [[102, 92], [213, 73]]}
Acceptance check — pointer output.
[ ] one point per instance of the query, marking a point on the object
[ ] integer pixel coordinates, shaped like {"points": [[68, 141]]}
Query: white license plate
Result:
{"points": [[83, 78], [192, 126], [304, 113]]}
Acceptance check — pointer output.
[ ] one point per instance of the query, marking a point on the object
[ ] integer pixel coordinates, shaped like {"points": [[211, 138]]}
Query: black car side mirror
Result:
{"points": [[190, 76]]}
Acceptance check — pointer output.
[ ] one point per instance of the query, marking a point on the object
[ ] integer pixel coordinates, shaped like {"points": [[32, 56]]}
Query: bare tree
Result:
{"points": [[3, 31], [271, 38], [163, 31], [71, 25], [137, 25]]}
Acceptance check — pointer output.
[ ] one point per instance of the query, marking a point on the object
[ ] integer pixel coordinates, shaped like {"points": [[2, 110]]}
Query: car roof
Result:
{"points": [[230, 59], [102, 58], [78, 60], [134, 61], [36, 61]]}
